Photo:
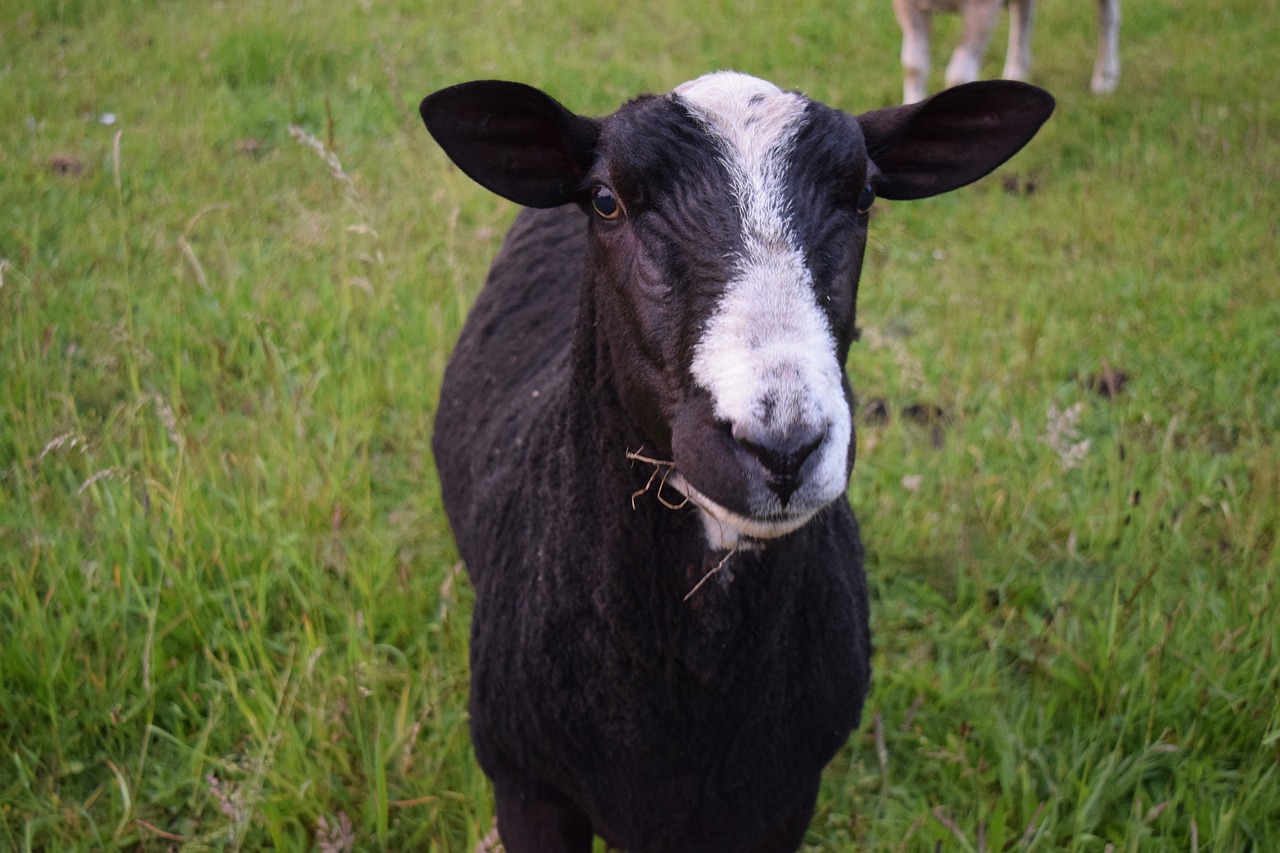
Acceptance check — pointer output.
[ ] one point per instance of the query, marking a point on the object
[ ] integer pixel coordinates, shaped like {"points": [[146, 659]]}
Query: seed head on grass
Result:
{"points": [[115, 472], [165, 412], [70, 439], [230, 797], [339, 838], [1062, 433], [491, 843], [329, 157], [351, 193]]}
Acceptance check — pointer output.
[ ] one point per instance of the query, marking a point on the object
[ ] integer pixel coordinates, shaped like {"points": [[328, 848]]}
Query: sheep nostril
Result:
{"points": [[782, 454]]}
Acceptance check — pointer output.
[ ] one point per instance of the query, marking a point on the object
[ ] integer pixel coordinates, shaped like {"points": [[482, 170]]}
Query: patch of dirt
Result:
{"points": [[925, 414], [62, 163], [1015, 184], [1108, 383], [249, 146], [875, 412]]}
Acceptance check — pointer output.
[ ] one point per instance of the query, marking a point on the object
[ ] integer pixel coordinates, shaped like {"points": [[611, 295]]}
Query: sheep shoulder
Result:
{"points": [[508, 373]]}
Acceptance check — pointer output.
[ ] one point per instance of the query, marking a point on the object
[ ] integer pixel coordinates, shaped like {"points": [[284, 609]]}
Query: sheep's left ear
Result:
{"points": [[513, 139], [953, 138]]}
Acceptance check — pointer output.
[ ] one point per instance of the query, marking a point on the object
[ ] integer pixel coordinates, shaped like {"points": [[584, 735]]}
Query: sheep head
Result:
{"points": [[726, 223]]}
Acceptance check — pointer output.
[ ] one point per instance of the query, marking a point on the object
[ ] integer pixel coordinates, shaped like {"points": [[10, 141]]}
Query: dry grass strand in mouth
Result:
{"points": [[714, 570], [659, 466], [664, 467]]}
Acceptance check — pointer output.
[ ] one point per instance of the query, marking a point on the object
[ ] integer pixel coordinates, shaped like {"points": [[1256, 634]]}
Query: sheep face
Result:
{"points": [[727, 239], [727, 223]]}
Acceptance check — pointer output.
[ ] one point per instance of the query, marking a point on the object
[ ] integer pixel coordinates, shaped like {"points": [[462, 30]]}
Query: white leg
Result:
{"points": [[915, 49], [1017, 62], [1106, 70], [980, 17]]}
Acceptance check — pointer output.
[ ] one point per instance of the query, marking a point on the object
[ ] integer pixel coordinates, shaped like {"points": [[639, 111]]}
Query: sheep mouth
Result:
{"points": [[729, 529], [746, 488]]}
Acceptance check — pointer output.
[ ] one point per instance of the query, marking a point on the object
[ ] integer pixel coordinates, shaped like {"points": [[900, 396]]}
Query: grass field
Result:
{"points": [[232, 265]]}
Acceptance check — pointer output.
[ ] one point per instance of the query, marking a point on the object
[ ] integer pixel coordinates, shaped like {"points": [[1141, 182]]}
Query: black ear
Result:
{"points": [[513, 139], [953, 138]]}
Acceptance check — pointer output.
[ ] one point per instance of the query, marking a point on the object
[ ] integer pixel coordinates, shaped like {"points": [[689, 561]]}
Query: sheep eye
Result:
{"points": [[605, 203], [867, 198]]}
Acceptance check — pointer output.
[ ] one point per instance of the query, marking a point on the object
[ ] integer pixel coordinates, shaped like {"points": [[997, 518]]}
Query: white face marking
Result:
{"points": [[767, 356]]}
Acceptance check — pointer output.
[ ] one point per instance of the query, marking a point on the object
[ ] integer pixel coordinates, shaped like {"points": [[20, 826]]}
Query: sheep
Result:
{"points": [[914, 17], [644, 440]]}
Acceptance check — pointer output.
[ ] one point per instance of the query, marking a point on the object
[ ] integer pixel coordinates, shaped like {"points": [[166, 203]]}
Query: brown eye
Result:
{"points": [[867, 199], [605, 203]]}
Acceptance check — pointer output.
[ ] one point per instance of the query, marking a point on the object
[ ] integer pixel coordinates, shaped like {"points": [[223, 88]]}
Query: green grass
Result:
{"points": [[231, 615]]}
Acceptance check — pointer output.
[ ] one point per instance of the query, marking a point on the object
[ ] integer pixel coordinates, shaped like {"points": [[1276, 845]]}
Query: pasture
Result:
{"points": [[232, 266]]}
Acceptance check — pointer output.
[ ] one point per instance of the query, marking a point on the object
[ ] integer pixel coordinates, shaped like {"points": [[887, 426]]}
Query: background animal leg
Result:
{"points": [[1017, 61], [1106, 70], [915, 49], [980, 18]]}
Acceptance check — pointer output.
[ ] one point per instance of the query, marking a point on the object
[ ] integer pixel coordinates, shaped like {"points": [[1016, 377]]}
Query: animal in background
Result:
{"points": [[644, 441], [980, 17]]}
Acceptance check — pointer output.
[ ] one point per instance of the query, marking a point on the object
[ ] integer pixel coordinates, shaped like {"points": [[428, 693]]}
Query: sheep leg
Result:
{"points": [[915, 49], [1106, 70], [532, 818], [980, 19], [1017, 61], [790, 833]]}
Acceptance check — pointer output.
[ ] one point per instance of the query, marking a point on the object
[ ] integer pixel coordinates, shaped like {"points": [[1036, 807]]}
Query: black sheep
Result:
{"points": [[644, 441]]}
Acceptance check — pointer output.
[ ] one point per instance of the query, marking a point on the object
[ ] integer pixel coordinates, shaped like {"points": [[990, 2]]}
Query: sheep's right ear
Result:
{"points": [[513, 139], [953, 138]]}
